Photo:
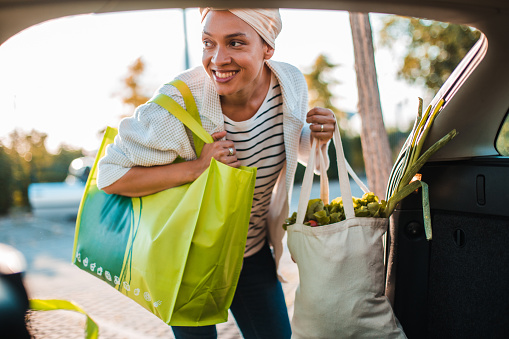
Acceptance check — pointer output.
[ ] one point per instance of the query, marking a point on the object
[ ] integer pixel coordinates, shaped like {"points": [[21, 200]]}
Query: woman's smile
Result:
{"points": [[224, 76]]}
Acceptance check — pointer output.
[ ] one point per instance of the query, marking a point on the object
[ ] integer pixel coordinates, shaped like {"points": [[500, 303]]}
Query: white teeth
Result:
{"points": [[223, 75]]}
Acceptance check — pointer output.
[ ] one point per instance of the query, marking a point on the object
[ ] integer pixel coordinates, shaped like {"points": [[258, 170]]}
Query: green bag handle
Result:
{"points": [[188, 98], [191, 109], [91, 329], [190, 118]]}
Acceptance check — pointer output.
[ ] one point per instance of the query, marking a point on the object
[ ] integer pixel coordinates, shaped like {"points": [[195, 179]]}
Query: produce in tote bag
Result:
{"points": [[319, 214], [179, 252], [341, 267], [402, 181]]}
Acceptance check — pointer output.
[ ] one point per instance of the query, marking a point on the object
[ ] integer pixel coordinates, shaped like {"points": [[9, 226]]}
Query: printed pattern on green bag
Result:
{"points": [[118, 227], [107, 231]]}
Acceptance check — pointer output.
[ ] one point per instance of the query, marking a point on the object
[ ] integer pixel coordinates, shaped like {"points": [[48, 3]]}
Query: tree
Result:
{"points": [[60, 163], [20, 171], [134, 97], [37, 158], [375, 143], [318, 81], [434, 48], [5, 180], [28, 161]]}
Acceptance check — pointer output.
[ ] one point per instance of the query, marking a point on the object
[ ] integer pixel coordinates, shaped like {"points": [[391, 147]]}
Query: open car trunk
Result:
{"points": [[455, 286]]}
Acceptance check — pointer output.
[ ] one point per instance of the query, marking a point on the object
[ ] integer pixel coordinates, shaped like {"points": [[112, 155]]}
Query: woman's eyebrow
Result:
{"points": [[235, 35], [229, 36]]}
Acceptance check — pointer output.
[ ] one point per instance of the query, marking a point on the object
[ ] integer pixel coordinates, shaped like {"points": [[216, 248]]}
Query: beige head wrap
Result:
{"points": [[266, 22]]}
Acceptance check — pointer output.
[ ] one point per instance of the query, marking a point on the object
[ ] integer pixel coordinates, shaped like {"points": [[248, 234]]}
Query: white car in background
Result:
{"points": [[61, 200]]}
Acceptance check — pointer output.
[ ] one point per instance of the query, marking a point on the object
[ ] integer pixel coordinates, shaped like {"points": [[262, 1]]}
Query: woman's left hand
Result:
{"points": [[322, 122]]}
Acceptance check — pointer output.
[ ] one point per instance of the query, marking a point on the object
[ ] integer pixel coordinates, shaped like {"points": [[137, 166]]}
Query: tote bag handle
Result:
{"points": [[324, 179], [343, 170], [189, 118]]}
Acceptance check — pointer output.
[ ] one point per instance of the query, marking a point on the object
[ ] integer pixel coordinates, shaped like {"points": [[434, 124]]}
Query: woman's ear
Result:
{"points": [[268, 51]]}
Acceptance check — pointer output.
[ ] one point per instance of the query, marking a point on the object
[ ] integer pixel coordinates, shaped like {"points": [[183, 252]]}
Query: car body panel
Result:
{"points": [[18, 15]]}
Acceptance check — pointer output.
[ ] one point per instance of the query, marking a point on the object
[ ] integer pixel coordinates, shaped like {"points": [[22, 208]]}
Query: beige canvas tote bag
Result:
{"points": [[341, 268]]}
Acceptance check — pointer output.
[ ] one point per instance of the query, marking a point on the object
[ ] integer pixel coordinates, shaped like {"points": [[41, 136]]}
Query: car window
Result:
{"points": [[502, 141]]}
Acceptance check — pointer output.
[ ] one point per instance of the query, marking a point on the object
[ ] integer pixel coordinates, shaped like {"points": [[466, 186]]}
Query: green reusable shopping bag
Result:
{"points": [[179, 252]]}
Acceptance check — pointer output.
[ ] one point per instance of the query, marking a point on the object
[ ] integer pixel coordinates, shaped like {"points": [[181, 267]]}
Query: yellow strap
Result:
{"points": [[189, 117], [91, 329], [188, 98], [174, 108], [191, 109]]}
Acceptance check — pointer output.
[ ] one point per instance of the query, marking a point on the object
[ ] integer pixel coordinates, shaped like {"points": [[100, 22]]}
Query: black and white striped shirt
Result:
{"points": [[259, 143]]}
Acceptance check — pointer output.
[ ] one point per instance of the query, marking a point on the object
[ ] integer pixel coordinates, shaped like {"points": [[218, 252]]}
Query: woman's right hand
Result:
{"points": [[221, 150]]}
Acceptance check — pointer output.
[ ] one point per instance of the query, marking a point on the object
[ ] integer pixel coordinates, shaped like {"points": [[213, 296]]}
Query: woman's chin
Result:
{"points": [[223, 90]]}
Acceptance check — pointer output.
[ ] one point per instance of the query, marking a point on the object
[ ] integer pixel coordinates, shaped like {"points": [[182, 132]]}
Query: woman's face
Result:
{"points": [[233, 53]]}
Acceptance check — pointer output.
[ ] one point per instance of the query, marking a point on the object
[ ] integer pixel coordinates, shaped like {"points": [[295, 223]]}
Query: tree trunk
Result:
{"points": [[374, 139], [375, 143]]}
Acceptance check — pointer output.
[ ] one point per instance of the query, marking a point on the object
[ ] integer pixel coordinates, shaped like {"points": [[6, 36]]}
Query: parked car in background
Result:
{"points": [[456, 285], [61, 199]]}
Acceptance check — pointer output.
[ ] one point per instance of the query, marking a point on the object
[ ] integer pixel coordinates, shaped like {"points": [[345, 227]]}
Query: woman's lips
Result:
{"points": [[224, 76]]}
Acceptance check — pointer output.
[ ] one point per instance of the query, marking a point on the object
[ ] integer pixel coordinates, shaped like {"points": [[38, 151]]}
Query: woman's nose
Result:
{"points": [[221, 56]]}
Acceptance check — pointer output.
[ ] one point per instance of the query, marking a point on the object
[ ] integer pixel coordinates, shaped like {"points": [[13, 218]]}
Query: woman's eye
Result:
{"points": [[236, 43], [206, 43]]}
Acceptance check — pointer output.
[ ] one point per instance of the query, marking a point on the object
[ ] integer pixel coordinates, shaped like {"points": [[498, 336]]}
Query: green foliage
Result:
{"points": [[5, 180], [318, 81], [502, 143], [26, 161], [134, 97], [434, 48], [60, 162]]}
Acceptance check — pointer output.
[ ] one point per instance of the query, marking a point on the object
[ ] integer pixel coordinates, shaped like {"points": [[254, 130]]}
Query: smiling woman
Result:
{"points": [[256, 111]]}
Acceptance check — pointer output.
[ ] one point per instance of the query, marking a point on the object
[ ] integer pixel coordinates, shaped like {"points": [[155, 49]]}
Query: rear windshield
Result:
{"points": [[502, 143]]}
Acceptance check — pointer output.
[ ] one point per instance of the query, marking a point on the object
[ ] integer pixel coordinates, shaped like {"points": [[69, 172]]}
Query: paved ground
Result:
{"points": [[46, 243]]}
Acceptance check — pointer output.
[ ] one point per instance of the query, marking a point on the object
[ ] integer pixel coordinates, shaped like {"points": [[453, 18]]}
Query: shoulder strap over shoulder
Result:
{"points": [[188, 98], [190, 118]]}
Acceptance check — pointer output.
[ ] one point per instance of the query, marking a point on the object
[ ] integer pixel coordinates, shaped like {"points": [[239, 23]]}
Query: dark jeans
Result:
{"points": [[258, 306]]}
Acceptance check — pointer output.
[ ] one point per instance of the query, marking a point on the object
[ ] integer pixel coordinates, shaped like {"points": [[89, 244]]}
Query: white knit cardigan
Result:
{"points": [[152, 136]]}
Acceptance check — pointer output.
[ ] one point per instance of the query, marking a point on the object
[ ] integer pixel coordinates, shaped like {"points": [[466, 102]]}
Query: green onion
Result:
{"points": [[410, 161]]}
